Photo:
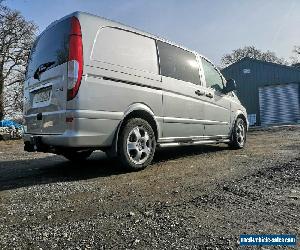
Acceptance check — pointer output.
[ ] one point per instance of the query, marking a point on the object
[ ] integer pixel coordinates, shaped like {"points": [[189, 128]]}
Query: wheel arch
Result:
{"points": [[242, 115], [137, 110]]}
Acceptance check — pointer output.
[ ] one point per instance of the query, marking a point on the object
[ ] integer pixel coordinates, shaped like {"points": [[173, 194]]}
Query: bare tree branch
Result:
{"points": [[16, 38], [295, 58], [252, 52]]}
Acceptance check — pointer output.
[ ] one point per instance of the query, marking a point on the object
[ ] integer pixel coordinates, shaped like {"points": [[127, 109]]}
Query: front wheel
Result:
{"points": [[238, 137], [77, 155], [136, 144]]}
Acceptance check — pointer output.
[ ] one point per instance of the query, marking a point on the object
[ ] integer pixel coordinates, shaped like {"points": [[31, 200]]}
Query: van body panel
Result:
{"points": [[120, 47], [183, 110], [45, 88], [127, 90], [52, 107], [218, 110]]}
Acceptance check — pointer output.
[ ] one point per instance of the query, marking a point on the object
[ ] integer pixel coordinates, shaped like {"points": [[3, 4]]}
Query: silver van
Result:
{"points": [[96, 84]]}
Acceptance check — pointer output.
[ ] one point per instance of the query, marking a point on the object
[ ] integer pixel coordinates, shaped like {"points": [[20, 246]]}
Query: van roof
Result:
{"points": [[115, 24], [127, 27], [83, 15]]}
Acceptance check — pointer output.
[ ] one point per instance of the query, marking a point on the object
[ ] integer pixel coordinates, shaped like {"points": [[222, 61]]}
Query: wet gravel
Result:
{"points": [[200, 197]]}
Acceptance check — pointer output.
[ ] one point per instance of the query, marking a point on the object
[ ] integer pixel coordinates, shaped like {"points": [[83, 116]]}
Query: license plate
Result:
{"points": [[42, 96]]}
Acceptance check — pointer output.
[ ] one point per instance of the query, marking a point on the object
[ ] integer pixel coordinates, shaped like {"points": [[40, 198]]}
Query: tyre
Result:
{"points": [[74, 155], [238, 137], [136, 144]]}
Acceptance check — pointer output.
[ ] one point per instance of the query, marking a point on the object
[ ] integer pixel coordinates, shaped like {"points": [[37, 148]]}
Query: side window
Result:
{"points": [[178, 63], [212, 76], [126, 49]]}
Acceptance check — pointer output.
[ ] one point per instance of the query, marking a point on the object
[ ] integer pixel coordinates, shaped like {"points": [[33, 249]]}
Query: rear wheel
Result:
{"points": [[136, 144], [77, 155], [238, 137]]}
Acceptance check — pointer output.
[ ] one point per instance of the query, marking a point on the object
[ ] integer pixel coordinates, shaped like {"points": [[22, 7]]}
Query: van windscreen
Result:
{"points": [[51, 47]]}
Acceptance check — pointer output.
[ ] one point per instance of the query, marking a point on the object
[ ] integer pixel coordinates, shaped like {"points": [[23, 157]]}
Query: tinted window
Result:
{"points": [[212, 76], [178, 63], [51, 46], [127, 49]]}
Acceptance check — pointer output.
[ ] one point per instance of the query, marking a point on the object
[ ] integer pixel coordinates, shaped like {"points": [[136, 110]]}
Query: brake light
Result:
{"points": [[75, 64]]}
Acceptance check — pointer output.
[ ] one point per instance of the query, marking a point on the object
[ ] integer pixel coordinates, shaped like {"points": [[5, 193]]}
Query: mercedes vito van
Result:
{"points": [[95, 84]]}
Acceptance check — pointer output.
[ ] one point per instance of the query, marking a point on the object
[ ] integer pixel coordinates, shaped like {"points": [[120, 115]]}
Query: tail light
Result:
{"points": [[75, 63]]}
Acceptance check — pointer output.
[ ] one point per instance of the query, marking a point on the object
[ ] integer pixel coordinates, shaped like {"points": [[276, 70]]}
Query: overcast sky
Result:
{"points": [[211, 27]]}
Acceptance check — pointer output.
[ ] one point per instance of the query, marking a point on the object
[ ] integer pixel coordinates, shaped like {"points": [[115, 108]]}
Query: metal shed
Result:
{"points": [[269, 91]]}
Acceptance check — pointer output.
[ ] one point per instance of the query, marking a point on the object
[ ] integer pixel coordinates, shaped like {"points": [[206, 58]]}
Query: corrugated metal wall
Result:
{"points": [[279, 104], [251, 74]]}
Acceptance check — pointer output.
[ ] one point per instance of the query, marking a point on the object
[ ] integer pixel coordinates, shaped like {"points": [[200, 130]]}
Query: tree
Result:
{"points": [[297, 50], [295, 59], [16, 38], [252, 52]]}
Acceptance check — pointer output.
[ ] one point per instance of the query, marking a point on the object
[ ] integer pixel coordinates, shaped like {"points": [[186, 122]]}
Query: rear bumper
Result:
{"points": [[81, 132]]}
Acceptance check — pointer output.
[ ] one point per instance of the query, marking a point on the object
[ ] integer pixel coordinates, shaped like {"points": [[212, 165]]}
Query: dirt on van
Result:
{"points": [[200, 197]]}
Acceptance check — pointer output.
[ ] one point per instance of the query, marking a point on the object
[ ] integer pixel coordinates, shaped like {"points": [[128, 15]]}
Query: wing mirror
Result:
{"points": [[230, 86]]}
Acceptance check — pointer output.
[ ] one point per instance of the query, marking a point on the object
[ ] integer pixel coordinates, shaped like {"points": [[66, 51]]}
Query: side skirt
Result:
{"points": [[164, 142]]}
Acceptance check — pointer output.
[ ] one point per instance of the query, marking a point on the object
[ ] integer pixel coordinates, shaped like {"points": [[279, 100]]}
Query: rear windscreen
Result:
{"points": [[52, 46]]}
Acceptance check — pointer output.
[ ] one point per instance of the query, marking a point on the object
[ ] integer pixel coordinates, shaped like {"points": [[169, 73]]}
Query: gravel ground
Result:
{"points": [[200, 197]]}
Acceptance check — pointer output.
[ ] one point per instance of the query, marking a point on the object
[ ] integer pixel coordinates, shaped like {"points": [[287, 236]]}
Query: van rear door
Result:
{"points": [[49, 72]]}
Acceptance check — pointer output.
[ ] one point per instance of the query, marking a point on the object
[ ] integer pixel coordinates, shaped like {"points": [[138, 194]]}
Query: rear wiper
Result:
{"points": [[42, 68]]}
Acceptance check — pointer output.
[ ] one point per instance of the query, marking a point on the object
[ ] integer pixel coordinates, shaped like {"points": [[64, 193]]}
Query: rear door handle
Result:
{"points": [[199, 92], [210, 95]]}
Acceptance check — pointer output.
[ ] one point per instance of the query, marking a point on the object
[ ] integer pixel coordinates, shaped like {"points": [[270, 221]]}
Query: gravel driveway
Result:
{"points": [[200, 197]]}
